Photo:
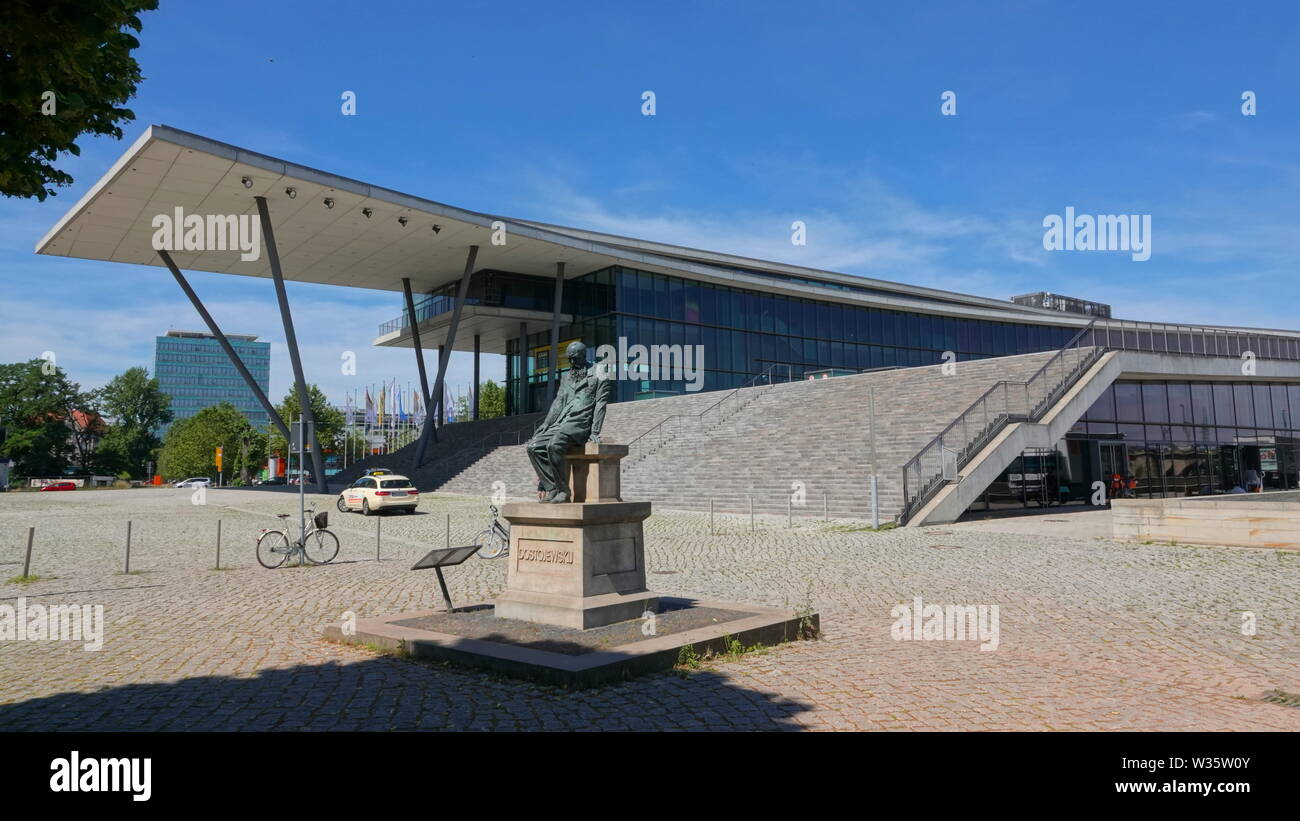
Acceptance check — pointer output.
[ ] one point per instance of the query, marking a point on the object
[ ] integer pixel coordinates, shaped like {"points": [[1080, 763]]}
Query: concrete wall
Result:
{"points": [[1246, 520]]}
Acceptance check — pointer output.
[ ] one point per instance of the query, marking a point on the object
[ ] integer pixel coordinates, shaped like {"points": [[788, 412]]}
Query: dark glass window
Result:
{"points": [[709, 305], [1225, 408], [1263, 406], [627, 291], [1180, 403], [1245, 409], [1104, 407], [1281, 412], [676, 298], [662, 309], [1128, 402], [1202, 405], [1155, 404], [781, 320]]}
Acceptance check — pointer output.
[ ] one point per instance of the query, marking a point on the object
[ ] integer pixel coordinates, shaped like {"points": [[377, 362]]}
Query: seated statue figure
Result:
{"points": [[576, 416]]}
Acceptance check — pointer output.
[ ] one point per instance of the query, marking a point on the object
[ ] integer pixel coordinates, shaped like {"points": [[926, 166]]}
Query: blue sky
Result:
{"points": [[766, 113]]}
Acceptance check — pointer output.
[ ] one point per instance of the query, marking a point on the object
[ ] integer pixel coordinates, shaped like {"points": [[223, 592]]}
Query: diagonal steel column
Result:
{"points": [[442, 412], [461, 294], [474, 415], [226, 346], [291, 341], [415, 337], [554, 369]]}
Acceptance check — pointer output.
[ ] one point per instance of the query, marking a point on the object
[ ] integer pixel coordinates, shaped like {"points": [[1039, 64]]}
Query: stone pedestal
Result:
{"points": [[594, 472], [578, 565]]}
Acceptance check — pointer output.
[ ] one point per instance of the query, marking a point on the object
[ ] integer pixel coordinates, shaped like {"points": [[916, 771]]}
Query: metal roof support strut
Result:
{"points": [[225, 345], [555, 334], [461, 295], [415, 337], [291, 342]]}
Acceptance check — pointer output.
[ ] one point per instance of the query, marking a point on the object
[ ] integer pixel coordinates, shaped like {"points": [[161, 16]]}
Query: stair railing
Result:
{"points": [[1005, 402]]}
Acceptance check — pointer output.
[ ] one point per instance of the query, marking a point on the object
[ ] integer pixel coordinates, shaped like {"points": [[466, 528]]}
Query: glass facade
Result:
{"points": [[1168, 438], [196, 373], [744, 332]]}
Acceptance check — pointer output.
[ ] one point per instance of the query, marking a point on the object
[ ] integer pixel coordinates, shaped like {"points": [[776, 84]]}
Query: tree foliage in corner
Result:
{"points": [[65, 70]]}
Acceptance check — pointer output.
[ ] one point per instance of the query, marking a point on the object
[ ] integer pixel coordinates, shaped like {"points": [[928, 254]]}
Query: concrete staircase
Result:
{"points": [[459, 444], [624, 421], [766, 439], [810, 442]]}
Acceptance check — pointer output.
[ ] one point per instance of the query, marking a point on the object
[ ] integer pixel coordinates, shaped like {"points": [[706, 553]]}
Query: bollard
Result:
{"points": [[448, 530], [751, 514], [825, 509], [378, 522], [27, 562], [788, 521], [218, 544], [128, 547], [712, 530]]}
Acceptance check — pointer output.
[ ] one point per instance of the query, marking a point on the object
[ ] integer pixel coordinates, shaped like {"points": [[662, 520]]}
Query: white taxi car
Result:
{"points": [[371, 494]]}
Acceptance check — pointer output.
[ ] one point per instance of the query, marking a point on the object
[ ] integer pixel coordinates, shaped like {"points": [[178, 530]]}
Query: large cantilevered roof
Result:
{"points": [[167, 168]]}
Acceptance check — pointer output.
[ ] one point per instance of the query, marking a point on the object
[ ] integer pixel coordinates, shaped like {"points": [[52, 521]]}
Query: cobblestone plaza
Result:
{"points": [[1094, 634]]}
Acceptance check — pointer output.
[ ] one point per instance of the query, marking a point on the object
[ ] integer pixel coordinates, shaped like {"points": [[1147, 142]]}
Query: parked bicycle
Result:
{"points": [[495, 541], [316, 545]]}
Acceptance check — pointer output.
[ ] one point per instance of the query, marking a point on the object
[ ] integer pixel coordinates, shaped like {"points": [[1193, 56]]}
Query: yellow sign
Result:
{"points": [[218, 460], [542, 356]]}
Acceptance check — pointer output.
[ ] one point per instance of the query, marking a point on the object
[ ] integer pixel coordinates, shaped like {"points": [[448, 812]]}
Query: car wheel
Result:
{"points": [[342, 505], [365, 507]]}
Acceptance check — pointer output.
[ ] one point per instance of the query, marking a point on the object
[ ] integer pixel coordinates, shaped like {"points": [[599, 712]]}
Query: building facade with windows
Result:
{"points": [[194, 371]]}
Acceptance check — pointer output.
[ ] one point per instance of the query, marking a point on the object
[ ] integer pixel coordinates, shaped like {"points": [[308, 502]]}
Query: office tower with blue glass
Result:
{"points": [[194, 371]]}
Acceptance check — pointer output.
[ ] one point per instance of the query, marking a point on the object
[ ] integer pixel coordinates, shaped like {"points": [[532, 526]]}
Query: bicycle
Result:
{"points": [[495, 541], [317, 545]]}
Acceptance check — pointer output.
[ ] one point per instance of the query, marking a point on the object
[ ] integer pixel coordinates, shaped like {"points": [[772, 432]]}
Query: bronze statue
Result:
{"points": [[576, 416]]}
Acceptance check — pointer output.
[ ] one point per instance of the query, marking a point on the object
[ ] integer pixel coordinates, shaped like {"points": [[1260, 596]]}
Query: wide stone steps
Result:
{"points": [[762, 440]]}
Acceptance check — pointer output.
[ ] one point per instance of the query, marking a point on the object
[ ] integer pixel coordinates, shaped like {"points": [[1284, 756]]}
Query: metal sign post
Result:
{"points": [[301, 435]]}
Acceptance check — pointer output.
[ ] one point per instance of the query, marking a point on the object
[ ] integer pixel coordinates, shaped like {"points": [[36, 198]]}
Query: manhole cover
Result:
{"points": [[662, 572], [946, 546]]}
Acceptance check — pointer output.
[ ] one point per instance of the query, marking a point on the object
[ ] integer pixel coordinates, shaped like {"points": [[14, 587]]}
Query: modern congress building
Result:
{"points": [[1167, 408]]}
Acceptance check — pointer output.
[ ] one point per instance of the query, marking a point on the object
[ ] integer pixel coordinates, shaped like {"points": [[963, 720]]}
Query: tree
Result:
{"points": [[190, 446], [86, 428], [491, 401], [329, 419], [65, 68], [138, 407], [36, 398]]}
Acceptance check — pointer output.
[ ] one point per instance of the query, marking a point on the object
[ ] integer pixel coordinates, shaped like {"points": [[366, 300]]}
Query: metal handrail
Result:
{"points": [[992, 425]]}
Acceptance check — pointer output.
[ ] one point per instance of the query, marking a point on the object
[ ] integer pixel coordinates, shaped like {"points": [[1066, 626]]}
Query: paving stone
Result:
{"points": [[1095, 634]]}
